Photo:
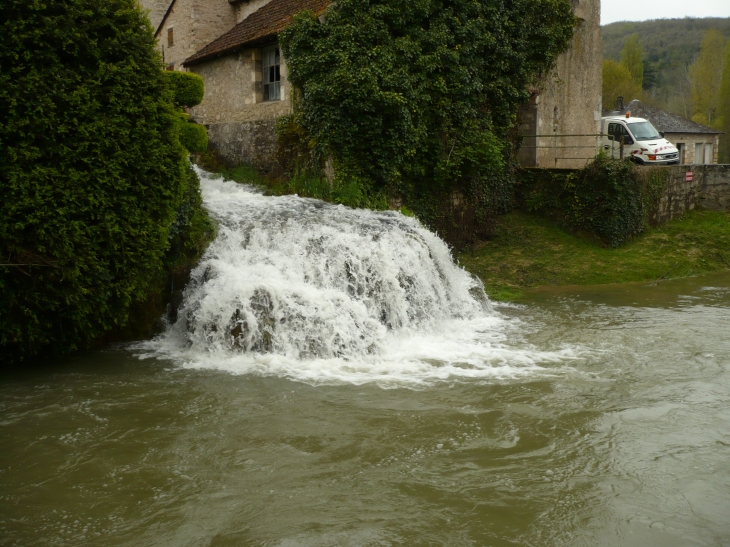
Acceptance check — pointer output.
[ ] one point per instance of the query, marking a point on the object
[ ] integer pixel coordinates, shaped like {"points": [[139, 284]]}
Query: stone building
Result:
{"points": [[156, 9], [561, 121], [232, 44], [697, 144]]}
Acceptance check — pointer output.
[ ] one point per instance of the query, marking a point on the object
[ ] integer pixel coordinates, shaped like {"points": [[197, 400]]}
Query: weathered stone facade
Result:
{"points": [[190, 25], [570, 101], [241, 126], [696, 148], [156, 9], [233, 90], [709, 188]]}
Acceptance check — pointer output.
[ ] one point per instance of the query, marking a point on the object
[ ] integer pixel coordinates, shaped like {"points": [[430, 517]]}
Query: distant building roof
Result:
{"points": [[662, 120], [262, 25]]}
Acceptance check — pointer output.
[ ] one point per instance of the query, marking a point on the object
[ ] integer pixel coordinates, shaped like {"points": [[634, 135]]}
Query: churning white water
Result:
{"points": [[320, 293]]}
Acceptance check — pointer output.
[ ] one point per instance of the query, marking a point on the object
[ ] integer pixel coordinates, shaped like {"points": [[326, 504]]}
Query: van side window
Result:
{"points": [[615, 130]]}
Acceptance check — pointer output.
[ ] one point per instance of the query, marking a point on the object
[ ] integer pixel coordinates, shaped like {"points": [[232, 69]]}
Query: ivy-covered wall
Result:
{"points": [[419, 98], [613, 200]]}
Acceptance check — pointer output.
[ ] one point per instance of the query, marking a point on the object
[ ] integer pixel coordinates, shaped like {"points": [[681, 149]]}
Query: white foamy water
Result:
{"points": [[319, 293]]}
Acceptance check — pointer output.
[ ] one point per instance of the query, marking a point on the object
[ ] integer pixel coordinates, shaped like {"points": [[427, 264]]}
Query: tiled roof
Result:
{"points": [[663, 121], [260, 26]]}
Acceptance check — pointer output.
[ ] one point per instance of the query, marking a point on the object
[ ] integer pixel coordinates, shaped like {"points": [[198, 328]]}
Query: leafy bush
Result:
{"points": [[187, 88], [611, 199], [92, 174], [193, 136], [417, 98]]}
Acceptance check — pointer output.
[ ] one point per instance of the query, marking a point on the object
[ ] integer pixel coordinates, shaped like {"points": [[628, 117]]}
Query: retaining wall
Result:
{"points": [[252, 143], [709, 187]]}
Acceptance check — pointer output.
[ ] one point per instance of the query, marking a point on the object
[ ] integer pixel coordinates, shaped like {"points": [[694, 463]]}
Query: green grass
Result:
{"points": [[530, 251], [348, 192]]}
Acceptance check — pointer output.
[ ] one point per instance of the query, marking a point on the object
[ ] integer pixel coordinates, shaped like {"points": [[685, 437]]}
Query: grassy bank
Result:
{"points": [[307, 185], [530, 251]]}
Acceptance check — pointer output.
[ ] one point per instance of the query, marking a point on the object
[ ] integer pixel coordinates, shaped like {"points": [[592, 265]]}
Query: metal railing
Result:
{"points": [[556, 145]]}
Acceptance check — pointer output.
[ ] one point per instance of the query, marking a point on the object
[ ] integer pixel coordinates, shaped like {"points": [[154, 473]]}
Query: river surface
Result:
{"points": [[595, 416]]}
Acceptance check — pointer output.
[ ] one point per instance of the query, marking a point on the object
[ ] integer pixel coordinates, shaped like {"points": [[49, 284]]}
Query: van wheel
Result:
{"points": [[637, 161]]}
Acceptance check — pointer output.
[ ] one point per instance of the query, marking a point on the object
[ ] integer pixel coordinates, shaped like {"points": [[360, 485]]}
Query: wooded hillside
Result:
{"points": [[673, 41]]}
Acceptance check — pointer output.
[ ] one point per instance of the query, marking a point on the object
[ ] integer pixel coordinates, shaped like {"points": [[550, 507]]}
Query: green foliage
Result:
{"points": [[193, 136], [417, 98], [665, 42], [706, 77], [187, 88], [723, 121], [632, 59], [92, 175], [617, 82], [610, 199], [528, 250], [670, 46]]}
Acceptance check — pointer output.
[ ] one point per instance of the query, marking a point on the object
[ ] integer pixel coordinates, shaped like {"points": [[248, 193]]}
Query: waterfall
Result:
{"points": [[319, 292]]}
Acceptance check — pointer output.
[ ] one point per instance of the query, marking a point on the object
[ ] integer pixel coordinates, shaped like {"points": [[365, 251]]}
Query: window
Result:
{"points": [[616, 130], [272, 74], [644, 131], [170, 38]]}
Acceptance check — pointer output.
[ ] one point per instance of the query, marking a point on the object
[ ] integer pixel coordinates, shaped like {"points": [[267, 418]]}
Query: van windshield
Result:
{"points": [[644, 131]]}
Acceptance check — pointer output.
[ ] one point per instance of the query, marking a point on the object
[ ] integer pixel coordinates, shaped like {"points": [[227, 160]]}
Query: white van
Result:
{"points": [[642, 142]]}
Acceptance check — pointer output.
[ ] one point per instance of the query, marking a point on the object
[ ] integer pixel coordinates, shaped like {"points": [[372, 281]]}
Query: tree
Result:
{"points": [[723, 120], [617, 82], [91, 171], [418, 97], [632, 59], [706, 77]]}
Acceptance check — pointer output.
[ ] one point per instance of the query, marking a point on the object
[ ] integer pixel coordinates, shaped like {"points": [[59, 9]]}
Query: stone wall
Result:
{"points": [[690, 140], [194, 24], [709, 188], [570, 102], [241, 127], [156, 9], [252, 143], [246, 8]]}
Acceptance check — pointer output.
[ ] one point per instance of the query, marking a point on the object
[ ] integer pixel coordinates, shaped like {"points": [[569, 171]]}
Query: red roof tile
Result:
{"points": [[261, 25]]}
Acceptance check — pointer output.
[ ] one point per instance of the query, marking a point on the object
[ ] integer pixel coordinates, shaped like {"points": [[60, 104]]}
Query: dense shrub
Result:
{"points": [[91, 171], [187, 88], [611, 199], [418, 97], [193, 136]]}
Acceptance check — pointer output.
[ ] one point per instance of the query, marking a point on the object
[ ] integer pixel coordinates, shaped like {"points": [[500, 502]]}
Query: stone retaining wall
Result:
{"points": [[251, 143], [709, 187]]}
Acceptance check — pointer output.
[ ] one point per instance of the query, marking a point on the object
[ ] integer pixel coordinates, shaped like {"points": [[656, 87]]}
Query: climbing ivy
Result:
{"points": [[613, 200], [418, 97]]}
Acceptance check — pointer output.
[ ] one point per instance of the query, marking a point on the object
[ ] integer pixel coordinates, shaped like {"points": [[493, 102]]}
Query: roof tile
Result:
{"points": [[261, 25]]}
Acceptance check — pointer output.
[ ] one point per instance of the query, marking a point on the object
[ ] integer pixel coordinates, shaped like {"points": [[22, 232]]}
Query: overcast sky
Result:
{"points": [[633, 10]]}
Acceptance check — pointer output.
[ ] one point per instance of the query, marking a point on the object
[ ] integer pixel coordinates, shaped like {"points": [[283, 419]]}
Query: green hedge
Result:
{"points": [[611, 199], [92, 174], [193, 136], [187, 88]]}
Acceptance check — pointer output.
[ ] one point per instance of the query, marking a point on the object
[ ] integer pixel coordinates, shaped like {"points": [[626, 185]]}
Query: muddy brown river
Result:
{"points": [[335, 380], [622, 441]]}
